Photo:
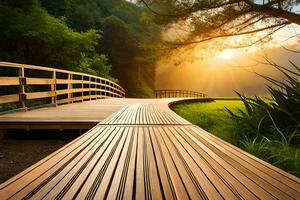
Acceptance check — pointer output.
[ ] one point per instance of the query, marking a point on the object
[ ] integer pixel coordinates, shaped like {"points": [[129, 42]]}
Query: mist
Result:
{"points": [[217, 77]]}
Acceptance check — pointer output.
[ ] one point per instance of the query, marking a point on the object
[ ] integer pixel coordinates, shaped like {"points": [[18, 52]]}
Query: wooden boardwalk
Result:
{"points": [[81, 115], [146, 151]]}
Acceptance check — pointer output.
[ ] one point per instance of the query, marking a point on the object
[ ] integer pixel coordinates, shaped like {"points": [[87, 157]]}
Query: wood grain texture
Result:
{"points": [[146, 151]]}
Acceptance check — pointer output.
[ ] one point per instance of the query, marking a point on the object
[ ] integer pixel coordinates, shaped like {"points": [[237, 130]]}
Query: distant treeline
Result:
{"points": [[100, 37]]}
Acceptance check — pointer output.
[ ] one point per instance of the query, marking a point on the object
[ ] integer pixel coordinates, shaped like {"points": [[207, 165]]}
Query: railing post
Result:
{"points": [[22, 87], [97, 92], [53, 88], [90, 93], [82, 87], [109, 90], [70, 85]]}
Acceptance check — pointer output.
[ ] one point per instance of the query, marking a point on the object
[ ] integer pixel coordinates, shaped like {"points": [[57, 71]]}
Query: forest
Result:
{"points": [[99, 37]]}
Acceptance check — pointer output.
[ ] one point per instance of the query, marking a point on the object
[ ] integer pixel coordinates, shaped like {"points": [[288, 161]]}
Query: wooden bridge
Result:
{"points": [[146, 151], [171, 93]]}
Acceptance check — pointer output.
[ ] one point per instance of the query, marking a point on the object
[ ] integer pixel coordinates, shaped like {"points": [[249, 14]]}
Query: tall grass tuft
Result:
{"points": [[277, 118], [271, 127]]}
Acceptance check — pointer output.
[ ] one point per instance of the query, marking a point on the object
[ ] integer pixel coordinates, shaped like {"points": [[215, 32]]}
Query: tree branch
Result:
{"points": [[232, 34]]}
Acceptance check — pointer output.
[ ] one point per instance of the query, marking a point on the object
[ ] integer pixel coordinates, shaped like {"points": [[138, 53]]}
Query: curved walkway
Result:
{"points": [[146, 151]]}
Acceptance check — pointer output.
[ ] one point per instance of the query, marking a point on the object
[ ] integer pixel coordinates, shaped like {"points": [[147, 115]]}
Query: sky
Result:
{"points": [[219, 72]]}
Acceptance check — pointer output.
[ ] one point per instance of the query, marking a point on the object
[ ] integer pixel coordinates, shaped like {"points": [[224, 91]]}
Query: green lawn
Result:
{"points": [[214, 118]]}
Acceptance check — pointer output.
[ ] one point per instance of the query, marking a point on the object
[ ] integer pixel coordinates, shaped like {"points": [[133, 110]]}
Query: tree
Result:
{"points": [[121, 45], [97, 65], [58, 8], [28, 34], [68, 34], [209, 19]]}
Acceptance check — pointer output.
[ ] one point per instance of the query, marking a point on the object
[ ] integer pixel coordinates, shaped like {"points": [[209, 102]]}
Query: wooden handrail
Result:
{"points": [[171, 93], [91, 87]]}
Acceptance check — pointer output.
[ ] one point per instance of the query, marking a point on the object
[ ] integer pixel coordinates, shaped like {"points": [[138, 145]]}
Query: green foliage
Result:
{"points": [[7, 107], [76, 35], [122, 43], [143, 90], [279, 154], [277, 119], [39, 38], [257, 147], [212, 117], [205, 20], [97, 65], [58, 7]]}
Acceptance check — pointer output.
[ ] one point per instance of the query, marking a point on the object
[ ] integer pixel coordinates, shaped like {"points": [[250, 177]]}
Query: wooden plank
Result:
{"points": [[94, 161], [118, 181], [6, 81], [38, 95], [71, 176], [16, 65], [167, 186], [216, 171], [183, 171], [52, 176], [80, 98], [19, 182], [140, 192], [11, 98], [39, 81], [128, 192], [179, 188], [254, 171], [75, 90], [245, 179], [103, 170], [153, 180], [145, 151]]}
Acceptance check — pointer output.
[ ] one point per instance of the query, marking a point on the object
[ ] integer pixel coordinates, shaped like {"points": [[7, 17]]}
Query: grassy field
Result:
{"points": [[214, 118]]}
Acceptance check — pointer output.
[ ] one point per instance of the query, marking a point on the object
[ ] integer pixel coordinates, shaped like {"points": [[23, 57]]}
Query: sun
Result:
{"points": [[226, 54]]}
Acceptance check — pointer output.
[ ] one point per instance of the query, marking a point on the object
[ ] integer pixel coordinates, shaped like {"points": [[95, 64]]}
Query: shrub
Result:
{"points": [[277, 118]]}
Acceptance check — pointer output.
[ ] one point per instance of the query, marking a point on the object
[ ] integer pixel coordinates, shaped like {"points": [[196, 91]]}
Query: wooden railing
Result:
{"points": [[169, 93], [58, 86]]}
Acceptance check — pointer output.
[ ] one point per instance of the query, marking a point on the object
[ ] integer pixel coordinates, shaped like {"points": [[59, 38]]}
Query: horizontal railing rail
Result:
{"points": [[62, 86], [171, 93]]}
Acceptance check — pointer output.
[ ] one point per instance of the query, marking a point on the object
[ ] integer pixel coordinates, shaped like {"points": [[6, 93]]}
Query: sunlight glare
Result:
{"points": [[226, 54]]}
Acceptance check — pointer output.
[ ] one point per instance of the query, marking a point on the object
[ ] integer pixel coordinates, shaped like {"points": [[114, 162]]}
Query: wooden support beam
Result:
{"points": [[22, 88], [70, 94], [53, 88], [90, 94]]}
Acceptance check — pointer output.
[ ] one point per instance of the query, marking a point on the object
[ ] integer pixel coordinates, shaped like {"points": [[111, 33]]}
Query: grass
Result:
{"points": [[215, 118], [212, 117], [7, 107]]}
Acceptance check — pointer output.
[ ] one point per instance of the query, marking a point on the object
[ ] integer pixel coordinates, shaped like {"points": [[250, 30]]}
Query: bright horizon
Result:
{"points": [[221, 72]]}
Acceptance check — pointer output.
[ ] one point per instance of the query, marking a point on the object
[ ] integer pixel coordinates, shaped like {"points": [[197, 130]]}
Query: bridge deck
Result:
{"points": [[145, 151], [71, 116]]}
